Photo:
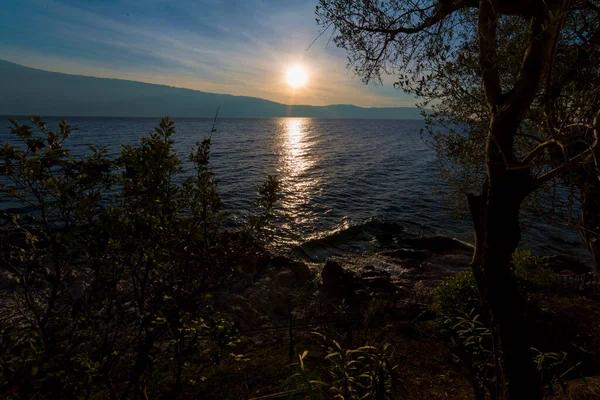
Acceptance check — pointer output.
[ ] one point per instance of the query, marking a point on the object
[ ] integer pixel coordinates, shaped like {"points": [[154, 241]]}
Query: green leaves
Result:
{"points": [[456, 296], [364, 372], [103, 279]]}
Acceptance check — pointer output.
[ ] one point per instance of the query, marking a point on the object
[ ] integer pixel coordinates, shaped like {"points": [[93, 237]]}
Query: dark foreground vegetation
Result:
{"points": [[108, 276], [121, 281], [515, 113], [131, 295]]}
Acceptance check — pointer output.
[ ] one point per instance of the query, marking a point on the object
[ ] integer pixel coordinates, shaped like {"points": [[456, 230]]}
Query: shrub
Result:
{"points": [[113, 289], [527, 270], [456, 296], [364, 372]]}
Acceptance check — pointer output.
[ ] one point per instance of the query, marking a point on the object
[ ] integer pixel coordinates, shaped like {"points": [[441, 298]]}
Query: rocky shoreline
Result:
{"points": [[276, 285], [283, 285]]}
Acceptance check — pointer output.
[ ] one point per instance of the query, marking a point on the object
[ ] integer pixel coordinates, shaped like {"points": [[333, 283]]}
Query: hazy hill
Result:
{"points": [[28, 91]]}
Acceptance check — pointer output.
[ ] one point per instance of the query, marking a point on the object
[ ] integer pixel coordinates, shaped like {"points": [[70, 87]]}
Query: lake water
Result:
{"points": [[341, 179]]}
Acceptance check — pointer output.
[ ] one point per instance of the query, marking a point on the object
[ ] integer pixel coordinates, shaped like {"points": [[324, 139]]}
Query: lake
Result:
{"points": [[352, 179]]}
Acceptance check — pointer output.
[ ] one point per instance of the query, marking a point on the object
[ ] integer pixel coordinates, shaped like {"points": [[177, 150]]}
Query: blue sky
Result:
{"points": [[229, 46]]}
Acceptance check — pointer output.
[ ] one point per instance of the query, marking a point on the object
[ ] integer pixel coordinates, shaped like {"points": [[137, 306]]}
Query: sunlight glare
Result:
{"points": [[296, 77]]}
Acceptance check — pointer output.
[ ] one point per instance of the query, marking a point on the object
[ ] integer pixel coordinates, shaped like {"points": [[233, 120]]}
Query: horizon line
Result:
{"points": [[200, 91]]}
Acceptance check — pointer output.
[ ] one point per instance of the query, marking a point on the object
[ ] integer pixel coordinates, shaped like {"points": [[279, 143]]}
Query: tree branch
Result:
{"points": [[443, 7], [594, 150], [529, 157], [545, 27], [488, 25]]}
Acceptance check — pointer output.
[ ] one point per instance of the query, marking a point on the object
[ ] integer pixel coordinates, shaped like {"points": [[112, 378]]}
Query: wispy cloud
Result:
{"points": [[235, 47]]}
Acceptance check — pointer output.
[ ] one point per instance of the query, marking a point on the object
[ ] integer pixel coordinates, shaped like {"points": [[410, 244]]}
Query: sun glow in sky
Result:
{"points": [[238, 47], [296, 77]]}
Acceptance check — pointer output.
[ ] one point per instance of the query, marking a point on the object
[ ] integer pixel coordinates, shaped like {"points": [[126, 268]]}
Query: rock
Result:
{"points": [[439, 244], [456, 260], [381, 283], [332, 273], [368, 268], [559, 263], [285, 279], [374, 273], [409, 254], [337, 283], [385, 238], [424, 267], [299, 269]]}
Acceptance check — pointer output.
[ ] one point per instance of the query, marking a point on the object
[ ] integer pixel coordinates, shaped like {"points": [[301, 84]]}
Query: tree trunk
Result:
{"points": [[498, 233], [590, 219]]}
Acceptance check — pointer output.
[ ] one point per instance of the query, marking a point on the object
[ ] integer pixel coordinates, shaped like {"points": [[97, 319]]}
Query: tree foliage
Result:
{"points": [[508, 82], [113, 264]]}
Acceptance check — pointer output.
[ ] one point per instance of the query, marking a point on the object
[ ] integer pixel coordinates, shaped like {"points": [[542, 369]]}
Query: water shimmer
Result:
{"points": [[346, 184]]}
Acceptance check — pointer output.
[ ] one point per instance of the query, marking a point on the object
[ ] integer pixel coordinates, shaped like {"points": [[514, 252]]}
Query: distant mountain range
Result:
{"points": [[29, 91]]}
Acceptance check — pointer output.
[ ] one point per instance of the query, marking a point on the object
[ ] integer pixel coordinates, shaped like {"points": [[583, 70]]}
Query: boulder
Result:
{"points": [[558, 263], [299, 269], [285, 279], [337, 283]]}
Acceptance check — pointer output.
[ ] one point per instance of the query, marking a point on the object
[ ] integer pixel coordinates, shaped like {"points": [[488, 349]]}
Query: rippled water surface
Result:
{"points": [[337, 175]]}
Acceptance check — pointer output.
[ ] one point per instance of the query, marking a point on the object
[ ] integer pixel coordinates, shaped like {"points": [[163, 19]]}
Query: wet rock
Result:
{"points": [[385, 238], [299, 269], [558, 263], [439, 244], [409, 254]]}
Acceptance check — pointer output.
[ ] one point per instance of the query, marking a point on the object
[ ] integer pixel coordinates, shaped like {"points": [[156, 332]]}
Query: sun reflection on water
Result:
{"points": [[297, 158]]}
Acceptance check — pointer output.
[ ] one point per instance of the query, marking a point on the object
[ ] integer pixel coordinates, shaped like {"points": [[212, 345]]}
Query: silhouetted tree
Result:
{"points": [[458, 120], [416, 40]]}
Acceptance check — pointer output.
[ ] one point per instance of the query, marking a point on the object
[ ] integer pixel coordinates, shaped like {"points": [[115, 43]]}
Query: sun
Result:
{"points": [[296, 77]]}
